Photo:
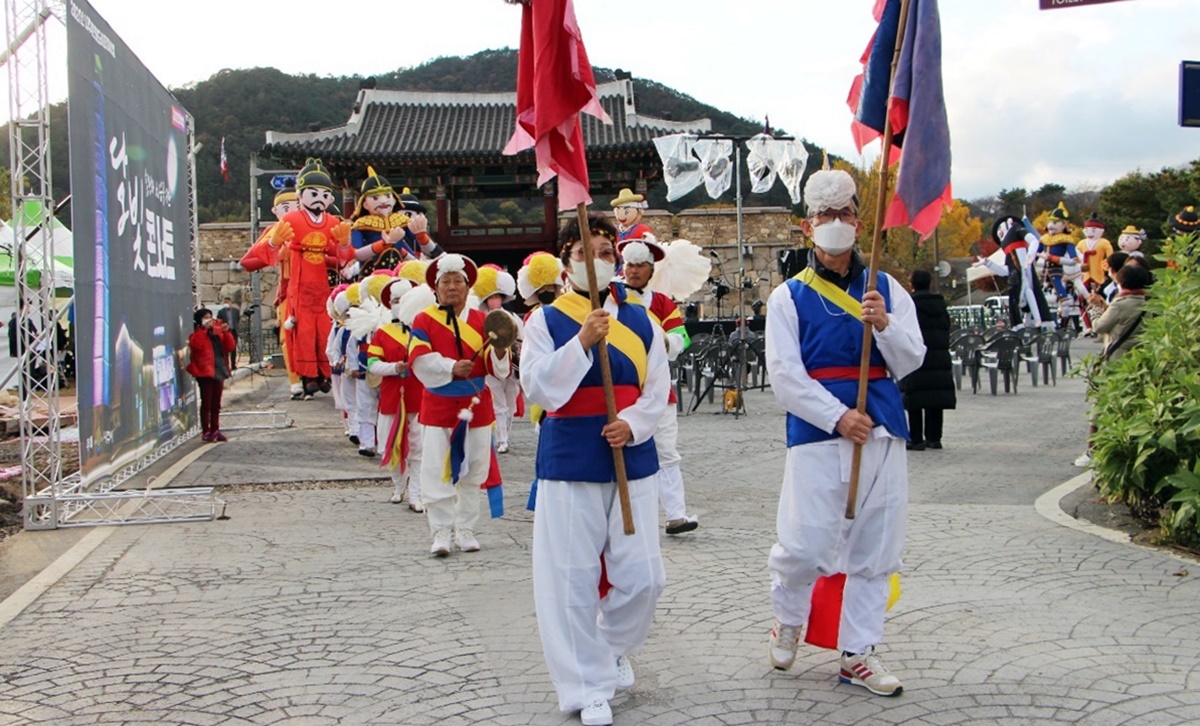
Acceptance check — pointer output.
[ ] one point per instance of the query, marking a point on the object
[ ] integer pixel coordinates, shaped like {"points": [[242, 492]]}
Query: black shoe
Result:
{"points": [[311, 386], [325, 386], [933, 444], [369, 453], [919, 446], [353, 439]]}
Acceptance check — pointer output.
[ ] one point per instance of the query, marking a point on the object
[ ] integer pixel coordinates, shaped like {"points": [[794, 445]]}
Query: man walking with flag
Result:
{"points": [[814, 343]]}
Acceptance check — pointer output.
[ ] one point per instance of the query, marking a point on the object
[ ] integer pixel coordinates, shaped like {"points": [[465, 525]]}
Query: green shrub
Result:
{"points": [[1146, 451]]}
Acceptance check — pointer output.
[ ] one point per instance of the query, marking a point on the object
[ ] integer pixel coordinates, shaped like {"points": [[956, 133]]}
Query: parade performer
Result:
{"points": [[449, 358], [814, 341], [338, 307], [1024, 288], [1060, 254], [261, 254], [1131, 240], [493, 288], [639, 258], [586, 639], [1094, 249], [400, 392], [363, 322], [379, 230], [628, 209], [539, 282], [316, 241]]}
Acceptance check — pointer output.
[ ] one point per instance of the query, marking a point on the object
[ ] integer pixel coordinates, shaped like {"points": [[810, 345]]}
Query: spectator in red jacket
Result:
{"points": [[209, 347]]}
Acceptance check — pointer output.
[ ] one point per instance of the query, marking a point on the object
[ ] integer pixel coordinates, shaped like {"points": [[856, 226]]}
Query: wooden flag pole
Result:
{"points": [[610, 400], [876, 252]]}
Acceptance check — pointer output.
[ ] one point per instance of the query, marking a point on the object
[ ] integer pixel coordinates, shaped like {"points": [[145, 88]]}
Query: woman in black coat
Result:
{"points": [[929, 390]]}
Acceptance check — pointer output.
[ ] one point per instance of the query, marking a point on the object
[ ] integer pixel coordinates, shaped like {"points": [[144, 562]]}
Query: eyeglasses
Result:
{"points": [[849, 216], [608, 254]]}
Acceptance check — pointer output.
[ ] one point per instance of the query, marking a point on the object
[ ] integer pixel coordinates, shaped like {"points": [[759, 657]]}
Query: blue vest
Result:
{"points": [[832, 338], [571, 448]]}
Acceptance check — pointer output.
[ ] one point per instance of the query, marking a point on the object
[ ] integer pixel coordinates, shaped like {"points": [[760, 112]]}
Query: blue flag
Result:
{"points": [[920, 129]]}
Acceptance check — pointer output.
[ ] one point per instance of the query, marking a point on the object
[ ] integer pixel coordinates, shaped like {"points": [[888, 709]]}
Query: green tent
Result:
{"points": [[62, 262]]}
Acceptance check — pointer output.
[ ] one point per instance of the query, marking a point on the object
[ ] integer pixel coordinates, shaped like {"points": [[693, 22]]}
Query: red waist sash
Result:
{"points": [[846, 373], [590, 401]]}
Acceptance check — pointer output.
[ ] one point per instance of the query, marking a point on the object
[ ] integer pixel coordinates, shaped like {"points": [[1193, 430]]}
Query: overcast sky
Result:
{"points": [[1076, 96]]}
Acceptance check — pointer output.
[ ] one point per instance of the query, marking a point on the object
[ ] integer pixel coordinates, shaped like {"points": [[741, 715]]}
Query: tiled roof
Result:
{"points": [[412, 126]]}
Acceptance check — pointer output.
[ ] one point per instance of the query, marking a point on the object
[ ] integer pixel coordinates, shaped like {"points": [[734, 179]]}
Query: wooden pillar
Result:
{"points": [[443, 213]]}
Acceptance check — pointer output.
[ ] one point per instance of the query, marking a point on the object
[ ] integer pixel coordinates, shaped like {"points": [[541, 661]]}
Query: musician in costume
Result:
{"points": [[493, 288], [638, 258], [400, 392], [379, 231], [1024, 287], [587, 640], [316, 241], [1060, 254], [813, 346], [450, 359], [261, 254], [338, 307], [362, 323], [629, 209]]}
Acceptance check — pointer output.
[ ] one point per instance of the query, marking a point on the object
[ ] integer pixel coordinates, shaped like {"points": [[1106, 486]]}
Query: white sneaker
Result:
{"points": [[597, 713], [397, 497], [625, 679], [1084, 459], [868, 671], [466, 540], [502, 449], [784, 641], [441, 543]]}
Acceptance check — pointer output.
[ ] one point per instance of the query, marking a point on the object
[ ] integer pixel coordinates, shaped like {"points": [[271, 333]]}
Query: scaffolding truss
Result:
{"points": [[52, 500]]}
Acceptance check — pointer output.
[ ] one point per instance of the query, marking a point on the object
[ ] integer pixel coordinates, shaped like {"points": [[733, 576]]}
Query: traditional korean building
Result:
{"points": [[446, 147]]}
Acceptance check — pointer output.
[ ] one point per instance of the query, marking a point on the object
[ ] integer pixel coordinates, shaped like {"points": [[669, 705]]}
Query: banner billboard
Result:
{"points": [[1054, 4], [131, 219]]}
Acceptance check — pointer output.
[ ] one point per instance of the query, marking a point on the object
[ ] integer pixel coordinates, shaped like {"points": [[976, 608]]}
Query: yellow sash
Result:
{"points": [[831, 292], [577, 307], [470, 336]]}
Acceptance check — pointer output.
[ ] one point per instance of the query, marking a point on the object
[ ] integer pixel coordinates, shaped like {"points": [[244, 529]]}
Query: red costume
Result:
{"points": [[435, 334], [311, 251]]}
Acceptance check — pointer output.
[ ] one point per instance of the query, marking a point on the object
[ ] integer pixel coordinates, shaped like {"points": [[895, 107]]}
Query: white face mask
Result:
{"points": [[835, 237], [604, 273]]}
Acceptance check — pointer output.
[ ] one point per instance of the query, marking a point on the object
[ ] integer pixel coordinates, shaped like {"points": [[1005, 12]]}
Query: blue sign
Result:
{"points": [[1189, 93], [280, 181]]}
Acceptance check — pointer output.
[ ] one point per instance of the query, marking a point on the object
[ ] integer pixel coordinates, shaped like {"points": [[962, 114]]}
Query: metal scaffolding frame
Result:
{"points": [[51, 500]]}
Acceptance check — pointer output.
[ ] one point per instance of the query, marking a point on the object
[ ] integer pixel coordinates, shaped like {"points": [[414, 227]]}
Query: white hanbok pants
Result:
{"points": [[450, 505], [582, 634], [670, 475], [350, 404], [368, 410], [411, 478], [504, 402], [815, 538]]}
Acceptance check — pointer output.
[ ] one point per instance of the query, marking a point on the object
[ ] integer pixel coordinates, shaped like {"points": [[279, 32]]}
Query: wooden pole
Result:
{"points": [[610, 400], [876, 252]]}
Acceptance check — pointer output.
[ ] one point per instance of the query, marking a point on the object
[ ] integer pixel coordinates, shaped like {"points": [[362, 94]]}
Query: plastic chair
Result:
{"points": [[964, 358], [1001, 356], [1048, 344], [1064, 350], [1030, 351]]}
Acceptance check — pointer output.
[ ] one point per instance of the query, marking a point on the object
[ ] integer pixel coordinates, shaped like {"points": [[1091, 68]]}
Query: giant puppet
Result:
{"points": [[627, 208], [1060, 254], [313, 241], [261, 255], [379, 232], [1094, 249], [1024, 288]]}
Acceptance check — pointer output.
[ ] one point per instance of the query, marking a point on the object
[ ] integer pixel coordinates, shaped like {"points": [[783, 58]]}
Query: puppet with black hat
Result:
{"points": [[1024, 288], [379, 232]]}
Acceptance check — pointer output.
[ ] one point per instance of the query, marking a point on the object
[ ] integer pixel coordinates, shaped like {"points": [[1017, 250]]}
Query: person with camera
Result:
{"points": [[209, 347]]}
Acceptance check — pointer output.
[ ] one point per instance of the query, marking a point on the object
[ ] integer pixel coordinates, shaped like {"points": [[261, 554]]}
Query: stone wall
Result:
{"points": [[766, 231]]}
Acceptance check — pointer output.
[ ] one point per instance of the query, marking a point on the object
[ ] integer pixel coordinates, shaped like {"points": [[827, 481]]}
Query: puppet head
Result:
{"points": [[1131, 239], [315, 187], [286, 200], [1093, 228], [1058, 222], [627, 208]]}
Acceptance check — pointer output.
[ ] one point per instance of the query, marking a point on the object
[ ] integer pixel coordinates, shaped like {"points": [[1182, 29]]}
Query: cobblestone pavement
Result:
{"points": [[322, 606]]}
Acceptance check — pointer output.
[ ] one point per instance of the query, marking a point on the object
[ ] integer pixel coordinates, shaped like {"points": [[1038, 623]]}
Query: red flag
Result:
{"points": [[554, 84], [224, 161], [920, 130]]}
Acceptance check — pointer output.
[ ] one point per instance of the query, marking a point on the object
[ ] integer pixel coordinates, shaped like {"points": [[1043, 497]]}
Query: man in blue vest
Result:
{"points": [[814, 344], [587, 637]]}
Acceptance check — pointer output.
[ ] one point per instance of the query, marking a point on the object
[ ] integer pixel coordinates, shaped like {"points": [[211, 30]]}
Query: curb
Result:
{"points": [[1049, 506]]}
